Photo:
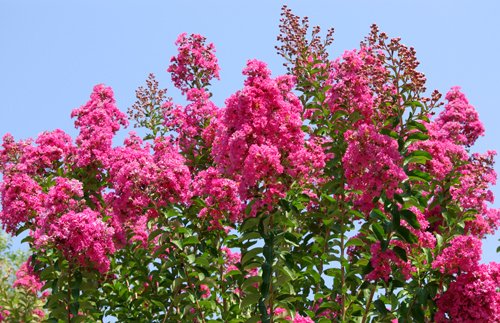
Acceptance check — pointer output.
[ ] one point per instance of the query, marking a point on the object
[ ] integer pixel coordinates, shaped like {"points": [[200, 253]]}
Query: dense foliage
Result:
{"points": [[19, 301], [336, 192]]}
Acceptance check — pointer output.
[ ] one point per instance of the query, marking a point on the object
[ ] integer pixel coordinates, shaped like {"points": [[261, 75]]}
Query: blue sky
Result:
{"points": [[53, 52]]}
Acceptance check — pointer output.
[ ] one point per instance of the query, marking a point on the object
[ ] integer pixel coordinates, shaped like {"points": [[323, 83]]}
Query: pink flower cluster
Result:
{"points": [[11, 152], [22, 200], [192, 123], [456, 126], [307, 164], [326, 312], [473, 192], [27, 279], [81, 236], [205, 291], [283, 314], [231, 259], [39, 312], [445, 153], [459, 120], [3, 314], [52, 150], [58, 214], [302, 319], [173, 178], [462, 255], [64, 222], [473, 297], [22, 162], [359, 84], [259, 137], [131, 172], [372, 164], [98, 120], [195, 65], [220, 196], [142, 182], [350, 85], [424, 235], [383, 263], [65, 195]]}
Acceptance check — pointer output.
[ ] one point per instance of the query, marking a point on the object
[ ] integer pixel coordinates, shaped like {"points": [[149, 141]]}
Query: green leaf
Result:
{"points": [[377, 214], [439, 240], [190, 241], [202, 261], [338, 114], [250, 299], [253, 235], [417, 175], [389, 132], [248, 284], [411, 218], [75, 293], [291, 239], [161, 250], [251, 255], [410, 201], [190, 258], [414, 104], [417, 314], [406, 235], [355, 242], [74, 307], [417, 159], [400, 252], [379, 231], [422, 296], [396, 219], [289, 272], [154, 234], [380, 306], [416, 136], [332, 272], [421, 153], [253, 319], [158, 303], [27, 239]]}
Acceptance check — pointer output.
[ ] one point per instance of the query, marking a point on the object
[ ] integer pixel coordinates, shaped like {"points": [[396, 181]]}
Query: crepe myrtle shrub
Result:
{"points": [[340, 191]]}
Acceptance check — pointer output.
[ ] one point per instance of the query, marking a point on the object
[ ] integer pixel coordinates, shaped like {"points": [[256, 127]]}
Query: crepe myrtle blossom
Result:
{"points": [[259, 138], [98, 120], [195, 64], [372, 164], [26, 278], [473, 297]]}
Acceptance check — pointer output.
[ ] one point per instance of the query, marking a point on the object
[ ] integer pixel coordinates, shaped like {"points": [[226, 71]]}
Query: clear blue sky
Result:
{"points": [[53, 52]]}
